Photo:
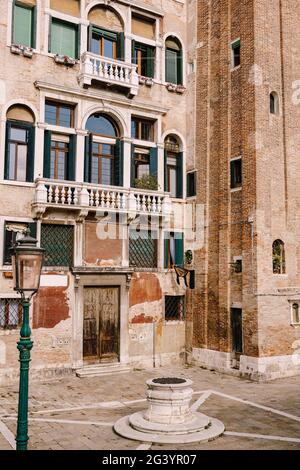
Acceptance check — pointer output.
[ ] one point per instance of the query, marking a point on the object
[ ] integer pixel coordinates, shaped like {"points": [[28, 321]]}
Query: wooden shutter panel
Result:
{"points": [[166, 249], [121, 46], [7, 245], [71, 169], [22, 27], [133, 51], [32, 228], [179, 175], [7, 152], [153, 161], [132, 169], [119, 152], [179, 256], [47, 153], [33, 30], [88, 158], [166, 170], [150, 51], [30, 154], [171, 66], [179, 68]]}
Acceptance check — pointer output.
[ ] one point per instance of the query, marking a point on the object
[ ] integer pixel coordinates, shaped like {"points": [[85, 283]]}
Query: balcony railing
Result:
{"points": [[109, 71], [53, 193]]}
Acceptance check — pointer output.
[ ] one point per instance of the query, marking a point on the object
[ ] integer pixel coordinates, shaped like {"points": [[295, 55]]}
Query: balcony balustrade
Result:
{"points": [[74, 195], [109, 71]]}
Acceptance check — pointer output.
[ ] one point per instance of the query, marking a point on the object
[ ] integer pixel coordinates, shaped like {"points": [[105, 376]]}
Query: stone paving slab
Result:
{"points": [[73, 413]]}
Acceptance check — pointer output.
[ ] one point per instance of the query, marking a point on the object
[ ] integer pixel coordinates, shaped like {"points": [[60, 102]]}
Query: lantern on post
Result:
{"points": [[27, 261]]}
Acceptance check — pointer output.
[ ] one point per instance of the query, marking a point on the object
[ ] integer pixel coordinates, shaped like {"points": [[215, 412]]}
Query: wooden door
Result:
{"points": [[101, 324], [237, 330]]}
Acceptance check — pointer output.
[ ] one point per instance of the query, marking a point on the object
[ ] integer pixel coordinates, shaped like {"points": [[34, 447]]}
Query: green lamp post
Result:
{"points": [[27, 260]]}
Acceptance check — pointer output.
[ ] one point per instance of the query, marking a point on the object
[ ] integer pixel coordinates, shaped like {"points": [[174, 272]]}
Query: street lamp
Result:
{"points": [[27, 260]]}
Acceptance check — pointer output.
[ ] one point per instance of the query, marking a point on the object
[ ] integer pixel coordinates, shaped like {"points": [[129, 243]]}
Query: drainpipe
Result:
{"points": [[153, 343]]}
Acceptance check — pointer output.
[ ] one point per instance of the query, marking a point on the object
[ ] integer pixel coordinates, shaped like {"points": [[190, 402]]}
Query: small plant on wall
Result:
{"points": [[188, 257], [147, 182]]}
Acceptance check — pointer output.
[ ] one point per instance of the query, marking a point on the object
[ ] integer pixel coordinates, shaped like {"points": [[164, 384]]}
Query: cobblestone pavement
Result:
{"points": [[73, 413]]}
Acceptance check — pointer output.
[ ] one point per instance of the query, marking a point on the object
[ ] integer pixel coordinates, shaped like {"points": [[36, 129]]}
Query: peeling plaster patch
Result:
{"points": [[50, 307], [142, 318], [147, 312], [145, 287], [54, 280]]}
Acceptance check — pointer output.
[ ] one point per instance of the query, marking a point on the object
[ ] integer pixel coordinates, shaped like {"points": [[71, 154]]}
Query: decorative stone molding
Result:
{"points": [[18, 49], [64, 60]]}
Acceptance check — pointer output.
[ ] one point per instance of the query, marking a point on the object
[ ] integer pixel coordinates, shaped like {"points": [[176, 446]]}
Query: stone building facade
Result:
{"points": [[246, 305], [133, 134], [96, 101]]}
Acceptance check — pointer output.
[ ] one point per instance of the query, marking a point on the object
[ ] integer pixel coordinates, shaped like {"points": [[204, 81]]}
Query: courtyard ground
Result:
{"points": [[73, 413]]}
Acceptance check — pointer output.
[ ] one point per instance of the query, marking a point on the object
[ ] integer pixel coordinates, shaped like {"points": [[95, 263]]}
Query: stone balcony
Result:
{"points": [[84, 197], [108, 71]]}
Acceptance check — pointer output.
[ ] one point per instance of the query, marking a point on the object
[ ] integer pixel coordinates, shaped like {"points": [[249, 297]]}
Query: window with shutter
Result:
{"points": [[23, 25], [173, 61], [19, 151], [58, 241], [64, 38], [12, 231]]}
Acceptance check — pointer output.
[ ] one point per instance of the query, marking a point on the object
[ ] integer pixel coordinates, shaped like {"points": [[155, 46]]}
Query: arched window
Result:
{"points": [[19, 146], [106, 36], [173, 167], [295, 314], [104, 151], [174, 65], [274, 103], [278, 257]]}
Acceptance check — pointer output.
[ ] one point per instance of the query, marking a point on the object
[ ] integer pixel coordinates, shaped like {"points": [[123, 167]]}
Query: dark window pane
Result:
{"points": [[58, 241], [174, 308], [98, 124], [50, 113], [18, 134]]}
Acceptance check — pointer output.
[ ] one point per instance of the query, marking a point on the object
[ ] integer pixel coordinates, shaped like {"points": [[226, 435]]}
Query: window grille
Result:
{"points": [[10, 313], [174, 307], [142, 249], [58, 241]]}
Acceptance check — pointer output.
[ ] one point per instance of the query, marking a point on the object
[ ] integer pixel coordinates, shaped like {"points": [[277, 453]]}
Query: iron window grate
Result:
{"points": [[174, 307], [10, 314], [58, 241], [142, 250]]}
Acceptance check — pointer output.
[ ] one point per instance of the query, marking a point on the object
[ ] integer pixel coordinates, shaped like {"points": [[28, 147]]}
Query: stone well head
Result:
{"points": [[169, 400]]}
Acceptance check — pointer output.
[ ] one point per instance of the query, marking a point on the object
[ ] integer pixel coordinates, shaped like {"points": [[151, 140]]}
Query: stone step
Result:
{"points": [[100, 370]]}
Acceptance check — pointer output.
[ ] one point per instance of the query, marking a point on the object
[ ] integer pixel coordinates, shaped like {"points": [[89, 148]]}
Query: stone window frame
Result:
{"points": [[238, 188], [292, 303], [233, 45]]}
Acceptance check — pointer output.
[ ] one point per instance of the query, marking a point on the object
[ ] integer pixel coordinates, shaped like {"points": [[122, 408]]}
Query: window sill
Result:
{"points": [[15, 332], [295, 325], [280, 276], [18, 183], [235, 190], [63, 269], [233, 69], [174, 322]]}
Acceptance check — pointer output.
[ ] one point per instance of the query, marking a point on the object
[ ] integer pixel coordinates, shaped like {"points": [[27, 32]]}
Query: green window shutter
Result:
{"points": [[180, 175], [47, 153], [8, 240], [133, 61], [171, 66], [88, 158], [90, 33], [30, 154], [179, 68], [23, 25], [166, 170], [7, 152], [64, 39], [179, 255], [121, 46], [33, 29], [32, 228], [132, 169], [150, 51], [71, 168], [119, 152], [166, 249], [153, 161]]}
